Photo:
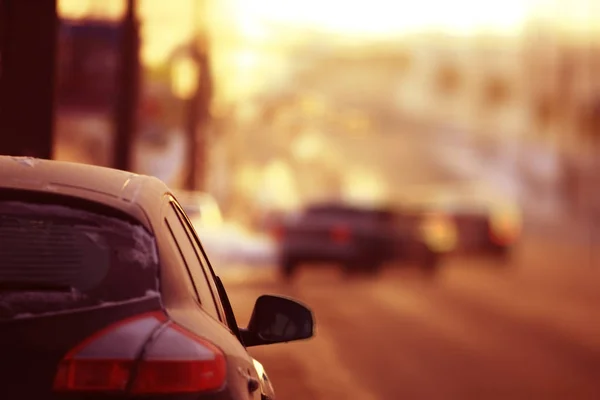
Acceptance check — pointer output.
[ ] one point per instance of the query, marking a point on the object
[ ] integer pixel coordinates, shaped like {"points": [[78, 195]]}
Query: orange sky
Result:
{"points": [[169, 22]]}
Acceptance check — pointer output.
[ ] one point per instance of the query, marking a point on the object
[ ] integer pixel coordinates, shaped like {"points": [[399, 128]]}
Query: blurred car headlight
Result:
{"points": [[439, 233], [505, 224]]}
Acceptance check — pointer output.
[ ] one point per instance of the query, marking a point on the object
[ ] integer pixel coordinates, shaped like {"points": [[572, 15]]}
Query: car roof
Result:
{"points": [[139, 196]]}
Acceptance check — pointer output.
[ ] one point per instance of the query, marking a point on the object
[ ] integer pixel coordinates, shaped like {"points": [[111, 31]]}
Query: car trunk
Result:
{"points": [[65, 273], [33, 346]]}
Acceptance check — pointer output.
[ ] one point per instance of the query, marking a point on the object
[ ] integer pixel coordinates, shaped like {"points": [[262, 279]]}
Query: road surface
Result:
{"points": [[480, 331]]}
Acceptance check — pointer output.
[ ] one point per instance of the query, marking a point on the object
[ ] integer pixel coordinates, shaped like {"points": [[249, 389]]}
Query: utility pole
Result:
{"points": [[198, 106], [197, 120], [27, 71], [128, 84]]}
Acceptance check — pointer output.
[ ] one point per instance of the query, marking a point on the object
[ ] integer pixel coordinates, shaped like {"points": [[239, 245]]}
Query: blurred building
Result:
{"points": [[88, 60], [300, 114]]}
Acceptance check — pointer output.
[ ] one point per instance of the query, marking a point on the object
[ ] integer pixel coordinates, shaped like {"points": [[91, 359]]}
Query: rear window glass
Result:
{"points": [[56, 258], [354, 214], [332, 211]]}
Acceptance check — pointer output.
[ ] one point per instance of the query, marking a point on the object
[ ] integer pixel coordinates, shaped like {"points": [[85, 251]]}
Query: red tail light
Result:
{"points": [[118, 359], [278, 232], [341, 234], [503, 233], [502, 238]]}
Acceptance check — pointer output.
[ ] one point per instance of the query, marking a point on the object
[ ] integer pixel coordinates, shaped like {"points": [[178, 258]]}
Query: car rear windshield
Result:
{"points": [[351, 214], [56, 258]]}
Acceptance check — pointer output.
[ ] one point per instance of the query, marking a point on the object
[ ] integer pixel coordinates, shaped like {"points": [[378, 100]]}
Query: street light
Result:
{"points": [[185, 76], [191, 81]]}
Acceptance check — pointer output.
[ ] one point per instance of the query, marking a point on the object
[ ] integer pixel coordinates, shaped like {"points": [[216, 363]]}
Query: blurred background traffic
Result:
{"points": [[458, 137]]}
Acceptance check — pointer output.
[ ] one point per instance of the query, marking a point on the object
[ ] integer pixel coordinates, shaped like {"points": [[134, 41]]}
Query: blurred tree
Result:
{"points": [[590, 119], [198, 115], [448, 79], [545, 110], [496, 91]]}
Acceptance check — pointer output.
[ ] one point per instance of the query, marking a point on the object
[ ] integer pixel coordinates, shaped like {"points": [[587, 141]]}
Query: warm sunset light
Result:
{"points": [[384, 17], [184, 77], [77, 9], [165, 24]]}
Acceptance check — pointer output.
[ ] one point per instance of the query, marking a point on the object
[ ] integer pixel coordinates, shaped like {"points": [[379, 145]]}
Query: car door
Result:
{"points": [[208, 295]]}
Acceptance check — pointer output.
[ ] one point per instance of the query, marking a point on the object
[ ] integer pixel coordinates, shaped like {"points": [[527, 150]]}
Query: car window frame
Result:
{"points": [[217, 313], [228, 313], [203, 259], [177, 249], [229, 320]]}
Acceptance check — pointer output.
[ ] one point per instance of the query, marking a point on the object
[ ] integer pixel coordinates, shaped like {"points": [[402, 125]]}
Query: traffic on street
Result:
{"points": [[299, 200], [529, 331]]}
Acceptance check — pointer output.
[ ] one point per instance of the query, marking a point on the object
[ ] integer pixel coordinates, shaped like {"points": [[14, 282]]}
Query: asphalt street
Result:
{"points": [[480, 330]]}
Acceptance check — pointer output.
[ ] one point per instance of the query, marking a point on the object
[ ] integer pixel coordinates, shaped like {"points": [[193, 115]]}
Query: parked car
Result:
{"points": [[356, 237], [233, 244], [226, 242], [481, 220], [201, 208], [107, 293]]}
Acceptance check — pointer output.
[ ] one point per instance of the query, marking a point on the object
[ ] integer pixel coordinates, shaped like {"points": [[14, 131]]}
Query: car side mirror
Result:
{"points": [[277, 319]]}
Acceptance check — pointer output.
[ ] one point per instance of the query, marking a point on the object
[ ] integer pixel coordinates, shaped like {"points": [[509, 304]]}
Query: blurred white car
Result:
{"points": [[233, 244], [202, 208], [225, 242]]}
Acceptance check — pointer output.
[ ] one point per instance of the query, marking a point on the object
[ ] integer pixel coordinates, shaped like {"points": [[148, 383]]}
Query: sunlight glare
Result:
{"points": [[278, 187], [308, 146], [384, 17], [363, 186], [185, 74], [246, 60], [79, 9]]}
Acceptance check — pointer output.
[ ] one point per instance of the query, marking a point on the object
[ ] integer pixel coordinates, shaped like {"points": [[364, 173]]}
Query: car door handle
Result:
{"points": [[253, 384]]}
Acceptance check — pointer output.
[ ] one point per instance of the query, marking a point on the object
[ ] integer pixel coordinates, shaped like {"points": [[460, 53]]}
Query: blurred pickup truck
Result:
{"points": [[359, 239]]}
